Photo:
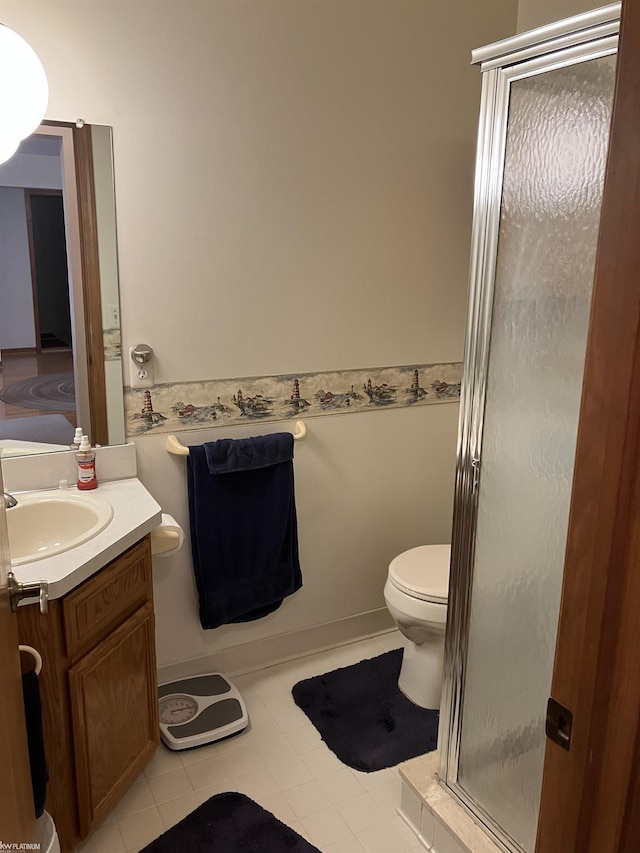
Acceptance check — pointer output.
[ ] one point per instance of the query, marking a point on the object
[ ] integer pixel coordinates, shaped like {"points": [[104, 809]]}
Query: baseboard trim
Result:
{"points": [[238, 660], [9, 351]]}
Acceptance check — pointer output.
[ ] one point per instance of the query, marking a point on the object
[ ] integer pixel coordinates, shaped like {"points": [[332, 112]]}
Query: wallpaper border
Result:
{"points": [[206, 404]]}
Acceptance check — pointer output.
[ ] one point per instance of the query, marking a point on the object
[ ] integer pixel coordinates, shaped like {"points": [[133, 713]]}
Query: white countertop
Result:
{"points": [[135, 513]]}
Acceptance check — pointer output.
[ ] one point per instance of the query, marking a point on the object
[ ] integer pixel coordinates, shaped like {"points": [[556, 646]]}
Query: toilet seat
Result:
{"points": [[423, 573]]}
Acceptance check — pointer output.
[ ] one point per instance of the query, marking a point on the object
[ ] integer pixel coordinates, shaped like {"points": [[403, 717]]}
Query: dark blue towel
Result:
{"points": [[244, 535], [35, 739]]}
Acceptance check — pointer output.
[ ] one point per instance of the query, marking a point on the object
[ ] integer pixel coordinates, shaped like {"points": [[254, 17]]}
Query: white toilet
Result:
{"points": [[416, 593]]}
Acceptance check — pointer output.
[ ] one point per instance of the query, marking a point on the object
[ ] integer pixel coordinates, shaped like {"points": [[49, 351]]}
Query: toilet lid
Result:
{"points": [[423, 572]]}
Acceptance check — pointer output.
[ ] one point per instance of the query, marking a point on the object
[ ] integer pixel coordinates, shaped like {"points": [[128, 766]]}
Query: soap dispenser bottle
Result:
{"points": [[77, 438], [86, 457]]}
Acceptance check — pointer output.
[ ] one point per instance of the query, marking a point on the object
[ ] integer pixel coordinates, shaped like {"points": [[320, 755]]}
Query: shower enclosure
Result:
{"points": [[543, 137]]}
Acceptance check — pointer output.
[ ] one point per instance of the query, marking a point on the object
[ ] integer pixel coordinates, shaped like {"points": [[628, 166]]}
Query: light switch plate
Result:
{"points": [[113, 316]]}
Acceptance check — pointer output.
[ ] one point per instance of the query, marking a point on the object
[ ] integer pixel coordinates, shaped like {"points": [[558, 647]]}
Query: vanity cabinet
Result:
{"points": [[99, 689]]}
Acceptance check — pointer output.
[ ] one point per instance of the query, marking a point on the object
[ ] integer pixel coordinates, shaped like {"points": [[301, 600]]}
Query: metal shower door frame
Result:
{"points": [[579, 39]]}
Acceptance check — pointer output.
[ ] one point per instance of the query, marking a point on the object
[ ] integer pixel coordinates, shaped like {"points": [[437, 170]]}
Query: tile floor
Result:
{"points": [[281, 763]]}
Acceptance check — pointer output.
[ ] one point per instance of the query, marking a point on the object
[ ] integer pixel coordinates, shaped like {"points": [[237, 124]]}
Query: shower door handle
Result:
{"points": [[475, 475]]}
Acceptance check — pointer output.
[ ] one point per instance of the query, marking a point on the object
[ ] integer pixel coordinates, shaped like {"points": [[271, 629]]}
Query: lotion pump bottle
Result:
{"points": [[86, 457]]}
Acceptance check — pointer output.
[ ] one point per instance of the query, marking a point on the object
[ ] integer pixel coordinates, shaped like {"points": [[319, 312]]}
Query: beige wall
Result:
{"points": [[294, 193], [537, 13]]}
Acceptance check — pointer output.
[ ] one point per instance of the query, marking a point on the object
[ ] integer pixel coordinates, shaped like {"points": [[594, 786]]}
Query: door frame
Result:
{"points": [[17, 814], [81, 227], [591, 792], [91, 294]]}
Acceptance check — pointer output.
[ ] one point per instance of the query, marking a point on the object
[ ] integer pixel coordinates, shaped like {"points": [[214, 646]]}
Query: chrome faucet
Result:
{"points": [[9, 500]]}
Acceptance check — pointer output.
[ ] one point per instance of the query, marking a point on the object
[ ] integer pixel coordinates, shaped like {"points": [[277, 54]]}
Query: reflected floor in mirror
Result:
{"points": [[37, 399]]}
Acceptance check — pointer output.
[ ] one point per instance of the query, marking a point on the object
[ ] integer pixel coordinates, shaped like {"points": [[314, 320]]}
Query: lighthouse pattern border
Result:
{"points": [[180, 406]]}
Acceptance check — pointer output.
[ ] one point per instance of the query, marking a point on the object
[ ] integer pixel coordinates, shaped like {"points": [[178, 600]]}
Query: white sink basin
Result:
{"points": [[46, 523]]}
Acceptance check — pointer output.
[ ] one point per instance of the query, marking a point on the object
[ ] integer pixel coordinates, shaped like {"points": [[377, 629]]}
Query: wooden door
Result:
{"points": [[17, 818], [591, 791]]}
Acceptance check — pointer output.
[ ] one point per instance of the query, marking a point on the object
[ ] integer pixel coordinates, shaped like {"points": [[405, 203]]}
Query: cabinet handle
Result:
{"points": [[37, 589]]}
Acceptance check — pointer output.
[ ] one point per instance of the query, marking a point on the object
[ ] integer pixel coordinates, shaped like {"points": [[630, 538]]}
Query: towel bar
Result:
{"points": [[176, 447]]}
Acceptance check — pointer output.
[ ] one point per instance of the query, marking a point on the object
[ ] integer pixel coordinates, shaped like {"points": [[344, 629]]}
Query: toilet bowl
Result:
{"points": [[416, 593]]}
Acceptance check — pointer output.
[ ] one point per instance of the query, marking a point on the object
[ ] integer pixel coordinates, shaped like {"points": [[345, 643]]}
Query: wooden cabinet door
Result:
{"points": [[114, 711]]}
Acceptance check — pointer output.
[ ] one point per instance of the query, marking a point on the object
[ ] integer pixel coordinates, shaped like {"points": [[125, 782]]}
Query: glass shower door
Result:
{"points": [[519, 423]]}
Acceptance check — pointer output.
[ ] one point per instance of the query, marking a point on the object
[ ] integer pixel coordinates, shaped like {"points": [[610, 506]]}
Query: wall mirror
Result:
{"points": [[60, 354]]}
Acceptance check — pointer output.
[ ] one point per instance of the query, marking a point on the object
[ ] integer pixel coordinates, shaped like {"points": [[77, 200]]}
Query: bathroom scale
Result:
{"points": [[200, 709]]}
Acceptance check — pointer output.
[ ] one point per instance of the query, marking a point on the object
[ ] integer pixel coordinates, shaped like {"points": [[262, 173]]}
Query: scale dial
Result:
{"points": [[177, 709]]}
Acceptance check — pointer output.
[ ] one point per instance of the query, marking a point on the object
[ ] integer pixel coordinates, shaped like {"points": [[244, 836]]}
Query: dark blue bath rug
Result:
{"points": [[364, 718], [230, 823]]}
